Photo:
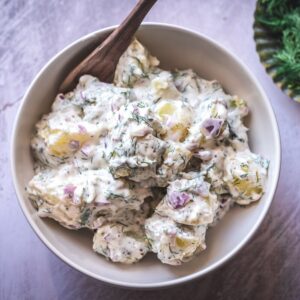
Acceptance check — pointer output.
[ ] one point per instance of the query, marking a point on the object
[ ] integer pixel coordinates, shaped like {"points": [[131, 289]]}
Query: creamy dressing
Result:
{"points": [[148, 162]]}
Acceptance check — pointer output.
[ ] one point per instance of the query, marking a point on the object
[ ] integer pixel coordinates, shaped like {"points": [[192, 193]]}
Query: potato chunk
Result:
{"points": [[174, 243], [246, 174]]}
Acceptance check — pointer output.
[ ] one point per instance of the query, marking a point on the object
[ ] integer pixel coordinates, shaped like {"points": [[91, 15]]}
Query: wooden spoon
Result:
{"points": [[103, 60]]}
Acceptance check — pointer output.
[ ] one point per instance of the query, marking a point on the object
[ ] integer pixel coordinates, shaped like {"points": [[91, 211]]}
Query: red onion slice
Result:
{"points": [[69, 190], [212, 127], [178, 199], [74, 145]]}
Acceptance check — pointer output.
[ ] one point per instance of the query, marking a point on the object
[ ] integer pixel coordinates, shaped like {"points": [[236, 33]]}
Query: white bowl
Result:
{"points": [[176, 48]]}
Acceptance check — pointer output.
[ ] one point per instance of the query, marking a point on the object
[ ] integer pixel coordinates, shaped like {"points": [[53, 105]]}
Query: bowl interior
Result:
{"points": [[176, 48]]}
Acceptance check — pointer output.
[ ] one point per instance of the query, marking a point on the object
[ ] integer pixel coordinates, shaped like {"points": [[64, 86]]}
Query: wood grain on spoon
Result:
{"points": [[103, 60]]}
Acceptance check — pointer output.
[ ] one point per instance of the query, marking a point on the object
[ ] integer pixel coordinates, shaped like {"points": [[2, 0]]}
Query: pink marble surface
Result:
{"points": [[33, 31]]}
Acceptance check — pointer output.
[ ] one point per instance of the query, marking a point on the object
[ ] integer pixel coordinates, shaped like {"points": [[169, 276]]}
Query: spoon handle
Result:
{"points": [[103, 60]]}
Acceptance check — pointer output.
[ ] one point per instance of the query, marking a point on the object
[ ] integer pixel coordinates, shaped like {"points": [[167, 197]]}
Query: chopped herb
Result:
{"points": [[141, 105], [139, 119], [232, 134], [257, 176], [85, 216]]}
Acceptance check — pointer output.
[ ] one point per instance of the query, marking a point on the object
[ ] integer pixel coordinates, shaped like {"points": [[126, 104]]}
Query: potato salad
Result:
{"points": [[148, 163]]}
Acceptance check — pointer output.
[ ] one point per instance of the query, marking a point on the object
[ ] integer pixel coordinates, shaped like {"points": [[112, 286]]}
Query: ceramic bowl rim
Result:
{"points": [[194, 275]]}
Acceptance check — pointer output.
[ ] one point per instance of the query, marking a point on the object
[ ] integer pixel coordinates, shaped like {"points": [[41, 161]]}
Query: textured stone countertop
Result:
{"points": [[32, 31]]}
